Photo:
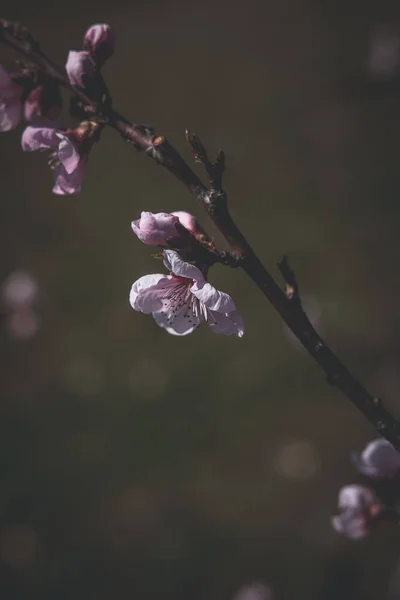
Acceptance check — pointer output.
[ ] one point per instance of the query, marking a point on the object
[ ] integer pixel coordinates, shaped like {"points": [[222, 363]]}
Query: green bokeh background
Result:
{"points": [[137, 465]]}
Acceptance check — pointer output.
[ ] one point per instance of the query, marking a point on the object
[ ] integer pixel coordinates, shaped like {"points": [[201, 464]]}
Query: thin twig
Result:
{"points": [[214, 201]]}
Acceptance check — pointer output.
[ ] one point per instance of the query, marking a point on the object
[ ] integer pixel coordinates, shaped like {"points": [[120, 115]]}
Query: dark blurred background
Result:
{"points": [[138, 465]]}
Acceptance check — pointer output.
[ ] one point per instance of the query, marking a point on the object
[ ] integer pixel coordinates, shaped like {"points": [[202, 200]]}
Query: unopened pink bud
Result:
{"points": [[187, 220], [99, 40], [80, 68], [155, 229], [379, 459]]}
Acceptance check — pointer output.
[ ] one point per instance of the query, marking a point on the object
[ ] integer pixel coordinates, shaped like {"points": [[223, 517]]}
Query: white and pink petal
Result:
{"points": [[10, 114], [180, 325], [226, 324], [67, 153], [147, 293], [39, 138], [212, 298], [179, 267]]}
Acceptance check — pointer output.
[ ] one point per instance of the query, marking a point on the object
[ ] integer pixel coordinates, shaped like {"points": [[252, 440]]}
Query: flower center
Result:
{"points": [[179, 301]]}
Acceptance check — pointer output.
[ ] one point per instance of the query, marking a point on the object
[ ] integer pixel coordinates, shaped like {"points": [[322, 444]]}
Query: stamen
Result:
{"points": [[54, 161]]}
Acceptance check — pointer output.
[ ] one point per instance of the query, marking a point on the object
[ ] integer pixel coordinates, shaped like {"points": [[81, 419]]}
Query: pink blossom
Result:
{"points": [[187, 220], [155, 228], [19, 290], [359, 506], [67, 162], [80, 68], [379, 459], [99, 40], [10, 102], [181, 301], [255, 591]]}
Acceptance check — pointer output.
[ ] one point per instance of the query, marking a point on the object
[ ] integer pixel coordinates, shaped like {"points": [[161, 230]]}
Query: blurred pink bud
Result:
{"points": [[188, 221], [22, 324], [254, 591], [181, 301], [10, 102], [81, 68], [66, 161], [19, 290], [99, 40], [155, 228], [358, 508], [379, 459]]}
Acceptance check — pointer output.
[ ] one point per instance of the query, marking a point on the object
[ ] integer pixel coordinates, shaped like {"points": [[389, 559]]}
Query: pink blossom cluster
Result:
{"points": [[361, 506], [182, 299], [31, 96]]}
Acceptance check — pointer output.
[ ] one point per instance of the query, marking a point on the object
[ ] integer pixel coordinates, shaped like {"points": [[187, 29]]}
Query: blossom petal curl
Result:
{"points": [[213, 298], [176, 265], [39, 138], [148, 291]]}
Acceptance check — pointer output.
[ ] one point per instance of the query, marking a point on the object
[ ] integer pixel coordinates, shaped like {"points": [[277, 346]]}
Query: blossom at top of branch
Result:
{"points": [[379, 459], [70, 152], [10, 102], [99, 40], [80, 67], [359, 506], [155, 228], [181, 301]]}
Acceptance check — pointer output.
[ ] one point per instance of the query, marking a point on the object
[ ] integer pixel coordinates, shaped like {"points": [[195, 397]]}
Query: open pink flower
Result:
{"points": [[379, 459], [359, 506], [155, 228], [181, 301], [67, 162], [10, 102]]}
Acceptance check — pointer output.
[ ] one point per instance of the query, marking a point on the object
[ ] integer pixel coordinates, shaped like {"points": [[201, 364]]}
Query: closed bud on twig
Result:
{"points": [[378, 460], [99, 41], [156, 229], [81, 68]]}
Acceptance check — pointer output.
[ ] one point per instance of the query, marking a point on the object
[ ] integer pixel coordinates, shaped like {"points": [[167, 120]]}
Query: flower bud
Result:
{"points": [[191, 224], [187, 220], [81, 68], [358, 506], [99, 40], [379, 459], [155, 229]]}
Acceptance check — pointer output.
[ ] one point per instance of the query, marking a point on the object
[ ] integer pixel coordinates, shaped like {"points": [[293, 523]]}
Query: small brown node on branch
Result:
{"points": [[291, 288], [160, 139]]}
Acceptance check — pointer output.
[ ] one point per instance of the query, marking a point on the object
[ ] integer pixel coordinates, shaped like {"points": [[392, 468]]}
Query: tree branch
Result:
{"points": [[214, 200]]}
